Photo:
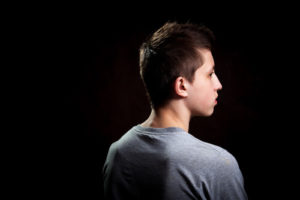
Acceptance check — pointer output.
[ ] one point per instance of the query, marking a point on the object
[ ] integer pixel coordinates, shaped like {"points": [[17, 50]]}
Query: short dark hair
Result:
{"points": [[168, 53]]}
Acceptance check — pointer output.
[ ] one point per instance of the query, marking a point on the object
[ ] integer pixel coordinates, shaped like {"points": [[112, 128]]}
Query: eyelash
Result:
{"points": [[211, 74]]}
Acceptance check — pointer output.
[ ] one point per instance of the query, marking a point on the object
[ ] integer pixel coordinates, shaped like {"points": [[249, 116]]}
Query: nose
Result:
{"points": [[218, 85]]}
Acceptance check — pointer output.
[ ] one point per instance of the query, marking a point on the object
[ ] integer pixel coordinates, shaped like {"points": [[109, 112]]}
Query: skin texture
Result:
{"points": [[203, 92], [193, 99]]}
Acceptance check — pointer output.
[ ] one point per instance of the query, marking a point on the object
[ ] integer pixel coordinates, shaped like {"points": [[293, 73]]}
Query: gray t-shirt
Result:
{"points": [[169, 164]]}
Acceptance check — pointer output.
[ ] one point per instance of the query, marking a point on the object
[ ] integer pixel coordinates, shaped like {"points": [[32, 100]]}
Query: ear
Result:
{"points": [[181, 86]]}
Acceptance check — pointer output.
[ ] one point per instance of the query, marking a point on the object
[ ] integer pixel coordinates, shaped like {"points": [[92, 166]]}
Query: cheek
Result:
{"points": [[202, 93], [206, 93]]}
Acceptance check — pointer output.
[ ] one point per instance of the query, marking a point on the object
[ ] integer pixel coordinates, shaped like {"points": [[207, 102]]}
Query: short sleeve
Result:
{"points": [[226, 181]]}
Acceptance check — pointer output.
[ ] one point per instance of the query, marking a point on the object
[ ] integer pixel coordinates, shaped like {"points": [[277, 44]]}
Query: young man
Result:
{"points": [[159, 158]]}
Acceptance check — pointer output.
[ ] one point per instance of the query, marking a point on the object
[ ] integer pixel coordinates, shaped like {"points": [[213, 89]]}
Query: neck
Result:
{"points": [[170, 116]]}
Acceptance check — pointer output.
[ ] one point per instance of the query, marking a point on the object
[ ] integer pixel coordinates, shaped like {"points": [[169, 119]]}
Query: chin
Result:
{"points": [[203, 114], [209, 114]]}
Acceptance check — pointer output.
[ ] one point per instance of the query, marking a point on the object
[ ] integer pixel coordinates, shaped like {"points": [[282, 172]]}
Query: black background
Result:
{"points": [[94, 94]]}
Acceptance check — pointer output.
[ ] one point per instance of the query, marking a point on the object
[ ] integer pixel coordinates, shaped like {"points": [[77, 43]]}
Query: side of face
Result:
{"points": [[203, 92]]}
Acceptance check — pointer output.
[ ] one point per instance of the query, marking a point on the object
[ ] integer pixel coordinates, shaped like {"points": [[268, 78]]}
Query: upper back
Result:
{"points": [[163, 163]]}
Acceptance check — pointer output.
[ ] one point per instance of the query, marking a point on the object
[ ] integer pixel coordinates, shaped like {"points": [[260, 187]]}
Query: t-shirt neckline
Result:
{"points": [[171, 129]]}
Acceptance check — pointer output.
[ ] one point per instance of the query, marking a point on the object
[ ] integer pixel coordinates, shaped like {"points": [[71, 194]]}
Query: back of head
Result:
{"points": [[168, 53]]}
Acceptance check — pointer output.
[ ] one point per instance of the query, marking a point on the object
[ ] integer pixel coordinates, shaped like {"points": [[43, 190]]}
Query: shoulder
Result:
{"points": [[221, 155], [192, 146], [221, 160], [201, 156]]}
